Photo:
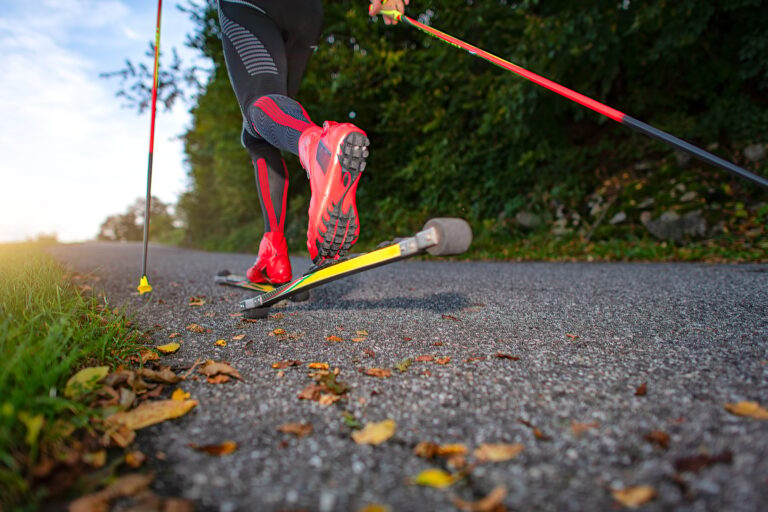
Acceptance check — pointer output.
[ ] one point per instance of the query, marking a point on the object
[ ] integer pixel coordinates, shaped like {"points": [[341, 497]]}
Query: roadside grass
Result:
{"points": [[49, 328]]}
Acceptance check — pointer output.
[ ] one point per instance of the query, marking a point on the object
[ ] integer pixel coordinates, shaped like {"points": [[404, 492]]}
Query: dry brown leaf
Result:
{"points": [[149, 413], [328, 399], [211, 369], [572, 336], [144, 356], [443, 360], [165, 375], [750, 409], [281, 365], [633, 497], [197, 301], [538, 434], [381, 373], [658, 437], [497, 452], [501, 355], [358, 340], [333, 338], [174, 335], [579, 428], [426, 449], [318, 366], [361, 333], [424, 359], [218, 379], [277, 316], [449, 317], [238, 337], [491, 503], [375, 433], [128, 485], [278, 332], [225, 448], [95, 459], [642, 389], [198, 329], [298, 429], [375, 507], [698, 462]]}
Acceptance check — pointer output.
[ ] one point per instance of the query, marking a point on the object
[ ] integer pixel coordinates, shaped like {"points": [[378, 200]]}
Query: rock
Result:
{"points": [[618, 218], [527, 220], [755, 152], [671, 226]]}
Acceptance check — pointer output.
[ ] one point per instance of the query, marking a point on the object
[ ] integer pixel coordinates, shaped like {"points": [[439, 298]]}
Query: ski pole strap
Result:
{"points": [[591, 104]]}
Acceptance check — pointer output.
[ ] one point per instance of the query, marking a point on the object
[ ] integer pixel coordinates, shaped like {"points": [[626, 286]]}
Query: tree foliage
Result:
{"points": [[129, 226], [453, 135]]}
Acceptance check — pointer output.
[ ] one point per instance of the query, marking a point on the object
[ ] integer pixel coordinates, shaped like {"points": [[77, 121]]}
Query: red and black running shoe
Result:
{"points": [[272, 265], [334, 157]]}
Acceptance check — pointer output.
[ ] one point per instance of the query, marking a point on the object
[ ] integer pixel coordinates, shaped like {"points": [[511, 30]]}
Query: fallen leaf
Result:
{"points": [[375, 507], [642, 389], [149, 413], [358, 340], [333, 338], [84, 381], [277, 316], [135, 459], [749, 409], [298, 429], [437, 344], [128, 485], [378, 372], [425, 359], [429, 450], [579, 428], [179, 394], [281, 365], [145, 356], [375, 433], [658, 437], [211, 369], [507, 356], [235, 315], [164, 375], [403, 365], [473, 359], [174, 335], [406, 338], [538, 434], [196, 301], [317, 366], [361, 333], [221, 343], [449, 317], [197, 328], [350, 420], [698, 462], [225, 448], [572, 336], [435, 478], [443, 360], [497, 452], [369, 352], [633, 497], [278, 332], [218, 379], [238, 337], [490, 503]]}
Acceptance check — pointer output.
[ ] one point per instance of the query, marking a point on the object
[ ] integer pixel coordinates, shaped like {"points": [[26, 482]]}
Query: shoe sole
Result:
{"points": [[340, 228]]}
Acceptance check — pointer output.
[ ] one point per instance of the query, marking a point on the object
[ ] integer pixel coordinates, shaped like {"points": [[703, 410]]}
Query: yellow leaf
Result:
{"points": [[361, 333], [149, 413], [376, 507], [633, 497], [84, 381], [34, 425], [169, 348], [179, 395], [375, 433], [238, 337], [497, 452], [358, 340], [750, 409], [318, 366], [95, 459], [435, 478], [221, 343], [135, 458]]}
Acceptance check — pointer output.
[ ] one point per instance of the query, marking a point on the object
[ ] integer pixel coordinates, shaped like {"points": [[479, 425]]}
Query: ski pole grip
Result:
{"points": [[392, 13]]}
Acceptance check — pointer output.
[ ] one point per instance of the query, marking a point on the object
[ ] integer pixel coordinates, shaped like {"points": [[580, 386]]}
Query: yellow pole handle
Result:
{"points": [[392, 13]]}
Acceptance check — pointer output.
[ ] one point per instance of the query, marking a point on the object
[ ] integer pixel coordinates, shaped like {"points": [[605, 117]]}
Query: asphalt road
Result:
{"points": [[587, 336]]}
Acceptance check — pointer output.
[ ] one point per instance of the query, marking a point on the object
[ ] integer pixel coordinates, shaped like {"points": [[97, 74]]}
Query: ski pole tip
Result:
{"points": [[144, 286]]}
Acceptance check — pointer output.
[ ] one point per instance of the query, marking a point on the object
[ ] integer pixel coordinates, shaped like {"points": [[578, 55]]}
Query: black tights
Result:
{"points": [[267, 45]]}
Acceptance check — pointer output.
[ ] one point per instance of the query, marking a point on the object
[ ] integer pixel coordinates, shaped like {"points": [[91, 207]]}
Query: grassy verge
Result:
{"points": [[48, 330]]}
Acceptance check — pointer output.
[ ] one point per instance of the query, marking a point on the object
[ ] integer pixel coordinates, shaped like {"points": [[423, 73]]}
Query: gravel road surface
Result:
{"points": [[587, 337]]}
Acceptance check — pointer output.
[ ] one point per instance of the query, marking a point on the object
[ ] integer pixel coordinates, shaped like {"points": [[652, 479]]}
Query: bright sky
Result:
{"points": [[69, 154]]}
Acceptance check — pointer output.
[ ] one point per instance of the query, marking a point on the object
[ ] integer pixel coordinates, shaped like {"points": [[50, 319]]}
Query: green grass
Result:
{"points": [[48, 331]]}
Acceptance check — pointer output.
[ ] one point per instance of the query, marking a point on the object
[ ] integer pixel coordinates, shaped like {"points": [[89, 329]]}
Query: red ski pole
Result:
{"points": [[584, 100], [144, 286]]}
